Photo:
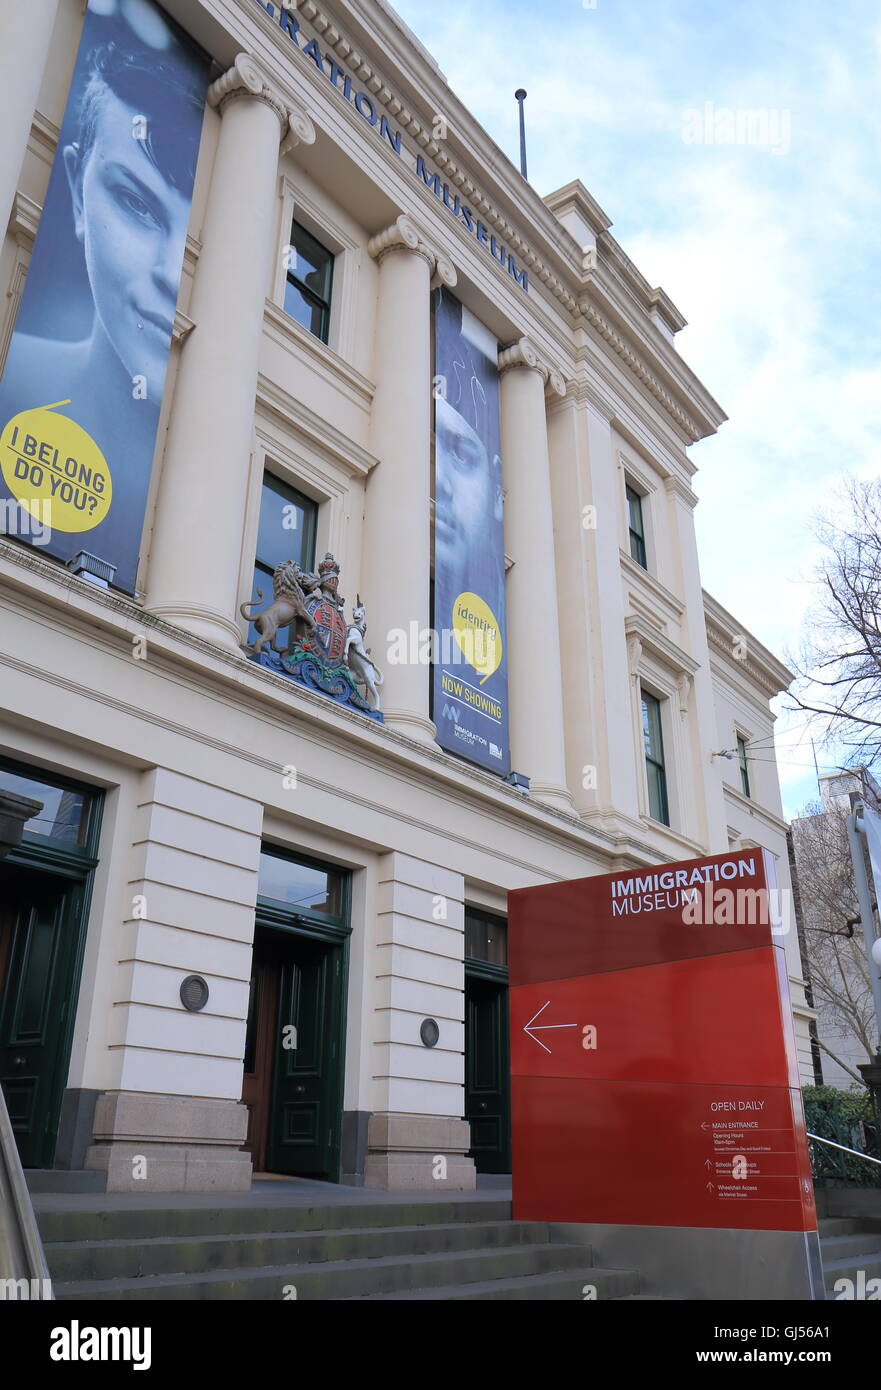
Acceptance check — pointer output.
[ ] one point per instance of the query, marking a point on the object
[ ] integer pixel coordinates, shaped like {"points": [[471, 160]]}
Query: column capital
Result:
{"points": [[525, 354], [246, 79], [404, 235]]}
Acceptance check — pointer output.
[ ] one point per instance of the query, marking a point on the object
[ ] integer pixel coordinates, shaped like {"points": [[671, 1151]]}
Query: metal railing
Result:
{"points": [[24, 1273], [856, 1153]]}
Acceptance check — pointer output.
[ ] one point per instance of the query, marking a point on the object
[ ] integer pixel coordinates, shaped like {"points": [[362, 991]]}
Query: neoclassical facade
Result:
{"points": [[338, 882]]}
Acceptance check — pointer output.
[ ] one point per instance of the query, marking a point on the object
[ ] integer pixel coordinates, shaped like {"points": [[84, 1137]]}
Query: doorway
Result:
{"points": [[292, 1075], [45, 885], [295, 1036], [487, 1042]]}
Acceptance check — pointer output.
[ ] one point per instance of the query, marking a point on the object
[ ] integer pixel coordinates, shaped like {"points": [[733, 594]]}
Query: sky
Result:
{"points": [[767, 243]]}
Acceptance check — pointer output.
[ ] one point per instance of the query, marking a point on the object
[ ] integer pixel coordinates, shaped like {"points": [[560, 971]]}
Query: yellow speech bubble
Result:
{"points": [[55, 469], [477, 633]]}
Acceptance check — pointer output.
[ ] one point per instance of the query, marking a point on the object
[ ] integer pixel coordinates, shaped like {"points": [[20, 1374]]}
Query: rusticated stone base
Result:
{"points": [[419, 1153], [155, 1143]]}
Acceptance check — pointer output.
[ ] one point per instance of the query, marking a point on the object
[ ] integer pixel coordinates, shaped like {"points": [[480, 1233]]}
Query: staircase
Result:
{"points": [[849, 1245], [363, 1249]]}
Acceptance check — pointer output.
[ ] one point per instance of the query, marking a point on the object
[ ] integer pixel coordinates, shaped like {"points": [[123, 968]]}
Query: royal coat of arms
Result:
{"points": [[319, 648]]}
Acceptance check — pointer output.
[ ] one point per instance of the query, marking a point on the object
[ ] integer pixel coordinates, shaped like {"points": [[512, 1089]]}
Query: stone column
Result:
{"points": [[395, 569], [25, 36], [535, 682], [197, 540], [416, 1136], [169, 1116], [705, 801]]}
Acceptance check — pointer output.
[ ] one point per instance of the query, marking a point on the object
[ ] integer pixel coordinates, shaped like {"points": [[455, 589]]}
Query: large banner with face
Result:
{"points": [[83, 381], [470, 670]]}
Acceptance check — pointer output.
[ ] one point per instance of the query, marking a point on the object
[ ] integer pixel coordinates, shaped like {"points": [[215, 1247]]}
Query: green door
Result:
{"points": [[304, 1130], [487, 1083], [39, 936]]}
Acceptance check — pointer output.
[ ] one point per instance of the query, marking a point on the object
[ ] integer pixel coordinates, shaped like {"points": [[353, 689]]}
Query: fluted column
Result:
{"points": [[197, 541], [395, 568], [25, 36], [535, 683]]}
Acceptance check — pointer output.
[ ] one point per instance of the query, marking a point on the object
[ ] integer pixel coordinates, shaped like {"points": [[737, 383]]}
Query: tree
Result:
{"points": [[840, 664], [839, 970]]}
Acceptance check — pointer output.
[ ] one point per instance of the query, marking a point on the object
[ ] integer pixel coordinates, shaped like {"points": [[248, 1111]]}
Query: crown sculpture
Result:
{"points": [[319, 648]]}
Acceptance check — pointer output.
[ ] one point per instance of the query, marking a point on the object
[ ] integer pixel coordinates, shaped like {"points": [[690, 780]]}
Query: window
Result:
{"points": [[741, 760], [286, 532], [486, 937], [653, 743], [303, 886], [636, 527], [65, 813], [310, 276]]}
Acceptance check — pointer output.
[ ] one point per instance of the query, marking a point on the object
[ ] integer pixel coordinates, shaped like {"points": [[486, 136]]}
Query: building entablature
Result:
{"points": [[744, 655], [541, 284], [475, 188], [116, 624]]}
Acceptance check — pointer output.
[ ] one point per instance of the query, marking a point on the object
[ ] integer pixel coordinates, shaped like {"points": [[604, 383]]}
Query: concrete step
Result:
{"points": [[849, 1267], [837, 1226], [344, 1278], [88, 1223], [568, 1285], [64, 1180], [860, 1243], [127, 1259]]}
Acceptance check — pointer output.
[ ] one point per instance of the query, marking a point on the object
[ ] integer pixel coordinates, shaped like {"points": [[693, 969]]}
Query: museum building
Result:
{"points": [[257, 923]]}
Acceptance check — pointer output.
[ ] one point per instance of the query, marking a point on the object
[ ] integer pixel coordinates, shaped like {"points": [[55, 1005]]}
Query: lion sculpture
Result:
{"points": [[288, 604]]}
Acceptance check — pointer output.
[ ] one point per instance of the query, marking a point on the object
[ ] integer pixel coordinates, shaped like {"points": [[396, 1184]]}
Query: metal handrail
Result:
{"points": [[21, 1250], [856, 1153]]}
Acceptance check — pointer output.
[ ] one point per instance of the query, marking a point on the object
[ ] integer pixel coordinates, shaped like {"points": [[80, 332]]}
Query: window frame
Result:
{"points": [[636, 538], [323, 303], [653, 763], [321, 923], [742, 743], [483, 916], [308, 548]]}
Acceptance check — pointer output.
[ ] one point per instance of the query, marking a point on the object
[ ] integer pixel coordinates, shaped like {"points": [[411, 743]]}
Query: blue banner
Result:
{"points": [[470, 687], [82, 385]]}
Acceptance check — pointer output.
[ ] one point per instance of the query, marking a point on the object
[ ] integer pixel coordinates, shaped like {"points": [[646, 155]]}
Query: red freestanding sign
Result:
{"points": [[654, 1074]]}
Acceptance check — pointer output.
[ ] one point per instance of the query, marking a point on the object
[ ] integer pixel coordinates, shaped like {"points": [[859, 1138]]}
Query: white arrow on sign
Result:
{"points": [[543, 1027]]}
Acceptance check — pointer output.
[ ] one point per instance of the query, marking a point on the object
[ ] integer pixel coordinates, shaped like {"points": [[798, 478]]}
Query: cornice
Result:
{"points": [[24, 219], [642, 579], [319, 356], [383, 30], [322, 436], [635, 626], [648, 298], [654, 302], [45, 135], [641, 368], [551, 254], [724, 633], [231, 676], [558, 263], [574, 195], [746, 803]]}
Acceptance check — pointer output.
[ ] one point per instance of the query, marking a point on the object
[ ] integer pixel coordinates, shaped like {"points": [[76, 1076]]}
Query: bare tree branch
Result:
{"points": [[839, 666]]}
